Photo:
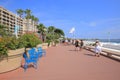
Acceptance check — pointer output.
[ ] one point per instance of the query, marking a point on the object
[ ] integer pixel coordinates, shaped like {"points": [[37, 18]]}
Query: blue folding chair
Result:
{"points": [[33, 58], [41, 52], [33, 54]]}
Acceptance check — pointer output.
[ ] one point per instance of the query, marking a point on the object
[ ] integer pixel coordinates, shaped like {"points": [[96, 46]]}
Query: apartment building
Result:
{"points": [[29, 26], [10, 19]]}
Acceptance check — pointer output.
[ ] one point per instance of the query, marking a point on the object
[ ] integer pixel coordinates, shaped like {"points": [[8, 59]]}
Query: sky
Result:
{"points": [[90, 18]]}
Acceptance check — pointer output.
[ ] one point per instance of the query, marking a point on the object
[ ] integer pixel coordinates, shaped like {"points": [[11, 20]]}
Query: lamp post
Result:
{"points": [[109, 37]]}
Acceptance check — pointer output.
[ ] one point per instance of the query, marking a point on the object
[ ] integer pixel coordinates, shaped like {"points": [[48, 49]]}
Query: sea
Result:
{"points": [[110, 40], [110, 43]]}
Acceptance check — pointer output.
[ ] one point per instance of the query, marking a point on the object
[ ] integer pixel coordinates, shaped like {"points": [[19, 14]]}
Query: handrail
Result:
{"points": [[106, 51], [111, 51]]}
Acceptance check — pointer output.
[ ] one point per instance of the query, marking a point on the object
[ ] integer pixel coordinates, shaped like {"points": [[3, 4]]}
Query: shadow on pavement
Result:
{"points": [[90, 55]]}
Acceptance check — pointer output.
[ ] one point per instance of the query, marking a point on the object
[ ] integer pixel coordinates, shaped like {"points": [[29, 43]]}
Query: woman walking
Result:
{"points": [[97, 48]]}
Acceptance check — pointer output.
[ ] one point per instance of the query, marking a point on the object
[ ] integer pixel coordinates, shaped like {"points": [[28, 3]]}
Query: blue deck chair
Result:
{"points": [[33, 58], [33, 54], [41, 52], [29, 61]]}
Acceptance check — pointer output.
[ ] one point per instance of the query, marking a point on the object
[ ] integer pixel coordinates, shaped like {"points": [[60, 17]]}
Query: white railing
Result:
{"points": [[106, 51]]}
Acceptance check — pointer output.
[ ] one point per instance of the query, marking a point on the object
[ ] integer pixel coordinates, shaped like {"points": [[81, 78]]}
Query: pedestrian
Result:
{"points": [[77, 45], [81, 44], [97, 48]]}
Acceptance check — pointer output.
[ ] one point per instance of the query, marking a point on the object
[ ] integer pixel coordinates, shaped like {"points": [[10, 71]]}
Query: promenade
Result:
{"points": [[63, 63]]}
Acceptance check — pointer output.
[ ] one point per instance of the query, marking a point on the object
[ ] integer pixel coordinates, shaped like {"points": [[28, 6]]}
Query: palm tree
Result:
{"points": [[51, 29], [42, 31], [59, 32], [50, 34], [20, 12], [54, 34], [35, 19], [55, 31], [28, 16], [28, 13], [34, 22]]}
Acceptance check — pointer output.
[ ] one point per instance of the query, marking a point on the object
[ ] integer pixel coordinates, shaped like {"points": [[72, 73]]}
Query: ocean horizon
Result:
{"points": [[108, 43], [105, 40]]}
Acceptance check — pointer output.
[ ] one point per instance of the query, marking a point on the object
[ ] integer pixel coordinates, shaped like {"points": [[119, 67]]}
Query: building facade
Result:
{"points": [[29, 26], [10, 20]]}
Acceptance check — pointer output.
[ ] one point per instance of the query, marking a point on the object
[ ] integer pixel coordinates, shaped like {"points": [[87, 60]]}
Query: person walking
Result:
{"points": [[97, 48], [81, 44], [77, 45]]}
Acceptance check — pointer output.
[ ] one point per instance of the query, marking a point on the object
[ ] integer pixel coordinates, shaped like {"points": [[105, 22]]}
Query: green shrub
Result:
{"points": [[13, 43], [30, 40], [56, 41], [3, 48]]}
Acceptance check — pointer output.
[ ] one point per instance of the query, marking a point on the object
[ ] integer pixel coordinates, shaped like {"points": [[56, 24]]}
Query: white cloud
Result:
{"points": [[92, 24], [109, 21], [101, 22]]}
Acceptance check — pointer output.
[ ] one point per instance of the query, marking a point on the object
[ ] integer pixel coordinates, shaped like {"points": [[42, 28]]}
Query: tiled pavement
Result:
{"points": [[63, 63]]}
